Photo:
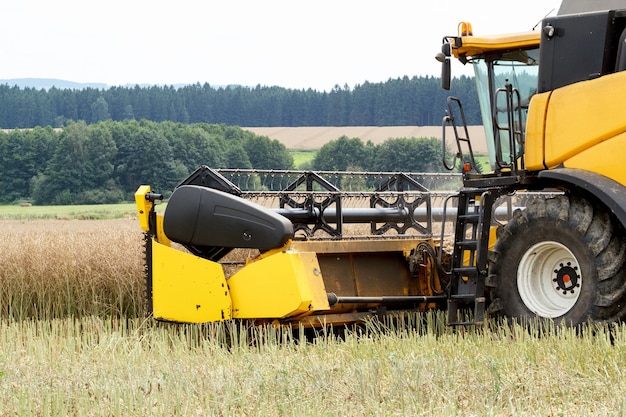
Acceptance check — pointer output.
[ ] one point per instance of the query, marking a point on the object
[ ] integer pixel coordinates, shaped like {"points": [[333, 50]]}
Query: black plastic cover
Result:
{"points": [[200, 216], [580, 47]]}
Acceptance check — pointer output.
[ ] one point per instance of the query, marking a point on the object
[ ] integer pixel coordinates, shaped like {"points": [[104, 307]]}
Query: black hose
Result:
{"points": [[426, 248]]}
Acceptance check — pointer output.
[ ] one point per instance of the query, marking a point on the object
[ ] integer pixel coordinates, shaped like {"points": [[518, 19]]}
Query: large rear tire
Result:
{"points": [[563, 259]]}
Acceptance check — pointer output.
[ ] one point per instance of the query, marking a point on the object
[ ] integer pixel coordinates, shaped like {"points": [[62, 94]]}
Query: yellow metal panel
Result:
{"points": [[285, 284], [143, 206], [584, 114], [535, 131], [477, 45], [160, 234], [187, 288], [606, 158]]}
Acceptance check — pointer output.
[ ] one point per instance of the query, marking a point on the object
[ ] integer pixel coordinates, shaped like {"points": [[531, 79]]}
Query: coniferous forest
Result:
{"points": [[417, 101]]}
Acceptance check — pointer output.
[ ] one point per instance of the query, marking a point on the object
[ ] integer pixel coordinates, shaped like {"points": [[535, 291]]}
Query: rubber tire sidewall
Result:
{"points": [[526, 236]]}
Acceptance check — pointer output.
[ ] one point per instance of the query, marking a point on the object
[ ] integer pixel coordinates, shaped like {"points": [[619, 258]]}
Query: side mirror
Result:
{"points": [[444, 58], [445, 74]]}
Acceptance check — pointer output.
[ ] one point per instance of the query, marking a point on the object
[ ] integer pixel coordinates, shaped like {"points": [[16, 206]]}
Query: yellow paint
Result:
{"points": [[606, 158], [492, 237], [160, 234], [491, 245], [535, 130], [478, 45], [282, 285], [583, 115], [143, 206], [187, 288]]}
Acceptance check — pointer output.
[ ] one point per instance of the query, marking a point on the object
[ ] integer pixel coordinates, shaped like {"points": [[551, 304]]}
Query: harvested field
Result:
{"points": [[73, 341], [315, 137]]}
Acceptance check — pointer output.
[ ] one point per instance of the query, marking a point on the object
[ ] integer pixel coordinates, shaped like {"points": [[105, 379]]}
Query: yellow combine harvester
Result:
{"points": [[552, 103], [295, 275]]}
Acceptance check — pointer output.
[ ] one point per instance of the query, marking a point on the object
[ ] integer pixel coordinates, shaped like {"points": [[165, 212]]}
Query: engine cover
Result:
{"points": [[200, 216]]}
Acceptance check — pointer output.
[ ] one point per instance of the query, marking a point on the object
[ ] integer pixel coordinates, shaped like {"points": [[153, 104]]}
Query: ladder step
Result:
{"points": [[467, 243], [465, 270], [471, 218], [465, 297], [453, 310]]}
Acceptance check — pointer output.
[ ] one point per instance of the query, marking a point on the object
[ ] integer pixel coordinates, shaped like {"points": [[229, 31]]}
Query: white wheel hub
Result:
{"points": [[548, 279]]}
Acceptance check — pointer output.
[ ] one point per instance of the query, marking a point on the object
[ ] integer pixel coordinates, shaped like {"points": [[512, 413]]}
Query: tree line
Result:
{"points": [[393, 155], [403, 101], [105, 162]]}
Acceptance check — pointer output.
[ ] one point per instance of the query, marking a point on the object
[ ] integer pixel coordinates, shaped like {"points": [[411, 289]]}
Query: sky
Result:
{"points": [[297, 44]]}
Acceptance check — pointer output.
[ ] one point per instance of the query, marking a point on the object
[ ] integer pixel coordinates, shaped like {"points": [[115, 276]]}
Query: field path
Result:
{"points": [[307, 137]]}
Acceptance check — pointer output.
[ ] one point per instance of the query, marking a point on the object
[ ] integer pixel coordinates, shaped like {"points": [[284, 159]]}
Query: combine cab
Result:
{"points": [[552, 105]]}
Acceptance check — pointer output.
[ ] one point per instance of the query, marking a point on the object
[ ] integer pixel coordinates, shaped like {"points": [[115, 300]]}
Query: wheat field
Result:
{"points": [[74, 341], [64, 268], [314, 137]]}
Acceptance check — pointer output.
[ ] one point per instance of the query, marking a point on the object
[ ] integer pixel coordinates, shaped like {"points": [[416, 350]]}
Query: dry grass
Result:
{"points": [[99, 367], [72, 342], [56, 268]]}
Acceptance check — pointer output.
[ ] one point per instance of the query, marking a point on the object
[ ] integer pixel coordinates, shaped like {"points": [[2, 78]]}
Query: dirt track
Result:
{"points": [[316, 137]]}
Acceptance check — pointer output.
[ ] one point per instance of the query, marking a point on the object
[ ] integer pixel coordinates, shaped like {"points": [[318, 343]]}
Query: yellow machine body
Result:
{"points": [[281, 285], [552, 105], [580, 126], [186, 288], [144, 207]]}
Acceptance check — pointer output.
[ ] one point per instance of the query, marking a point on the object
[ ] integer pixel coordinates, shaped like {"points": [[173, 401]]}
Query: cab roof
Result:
{"points": [[464, 47]]}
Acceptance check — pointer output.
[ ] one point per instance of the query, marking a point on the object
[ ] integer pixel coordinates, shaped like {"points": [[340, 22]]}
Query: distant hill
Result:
{"points": [[47, 83]]}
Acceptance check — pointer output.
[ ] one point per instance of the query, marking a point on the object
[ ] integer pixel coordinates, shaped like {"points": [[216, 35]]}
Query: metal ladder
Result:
{"points": [[470, 257]]}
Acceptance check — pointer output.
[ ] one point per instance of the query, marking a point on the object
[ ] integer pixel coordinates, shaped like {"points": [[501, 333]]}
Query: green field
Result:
{"points": [[85, 212], [303, 157]]}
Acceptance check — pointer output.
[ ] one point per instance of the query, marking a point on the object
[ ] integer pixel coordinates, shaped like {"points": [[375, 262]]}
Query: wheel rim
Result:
{"points": [[549, 279]]}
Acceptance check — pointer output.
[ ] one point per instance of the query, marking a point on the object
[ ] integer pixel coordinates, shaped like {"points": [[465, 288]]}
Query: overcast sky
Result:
{"points": [[289, 43]]}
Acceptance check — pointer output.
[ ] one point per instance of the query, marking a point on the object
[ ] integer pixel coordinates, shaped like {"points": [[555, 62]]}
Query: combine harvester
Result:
{"points": [[552, 102]]}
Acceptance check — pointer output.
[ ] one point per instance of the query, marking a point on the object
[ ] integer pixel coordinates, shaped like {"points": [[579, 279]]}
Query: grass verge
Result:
{"points": [[82, 212]]}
